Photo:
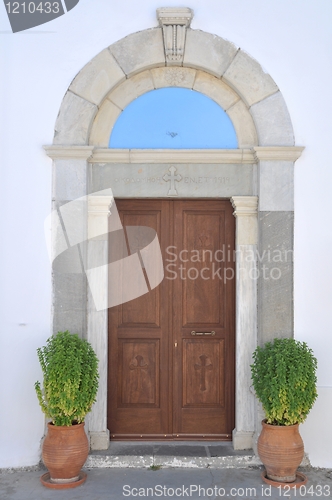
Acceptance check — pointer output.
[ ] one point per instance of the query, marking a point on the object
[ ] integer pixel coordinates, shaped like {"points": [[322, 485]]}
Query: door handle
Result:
{"points": [[203, 333]]}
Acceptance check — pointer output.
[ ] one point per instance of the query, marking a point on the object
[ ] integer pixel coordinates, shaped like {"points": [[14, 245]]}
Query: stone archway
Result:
{"points": [[263, 206]]}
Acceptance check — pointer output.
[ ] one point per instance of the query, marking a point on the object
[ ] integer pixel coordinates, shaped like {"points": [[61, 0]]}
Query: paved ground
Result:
{"points": [[121, 483]]}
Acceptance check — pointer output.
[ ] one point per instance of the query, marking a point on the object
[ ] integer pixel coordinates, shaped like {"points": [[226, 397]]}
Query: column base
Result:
{"points": [[242, 440], [99, 440]]}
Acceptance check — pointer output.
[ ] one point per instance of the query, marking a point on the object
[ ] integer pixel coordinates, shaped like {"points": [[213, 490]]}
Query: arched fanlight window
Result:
{"points": [[173, 118]]}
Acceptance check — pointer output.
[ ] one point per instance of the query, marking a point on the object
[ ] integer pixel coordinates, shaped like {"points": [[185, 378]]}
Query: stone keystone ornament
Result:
{"points": [[25, 15], [174, 22], [172, 177]]}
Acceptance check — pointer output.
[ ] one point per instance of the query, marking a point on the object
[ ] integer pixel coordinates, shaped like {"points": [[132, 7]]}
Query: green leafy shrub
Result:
{"points": [[284, 379], [70, 371]]}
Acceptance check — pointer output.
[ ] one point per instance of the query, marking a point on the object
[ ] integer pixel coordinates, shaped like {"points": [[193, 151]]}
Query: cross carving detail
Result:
{"points": [[203, 367], [172, 177], [138, 367]]}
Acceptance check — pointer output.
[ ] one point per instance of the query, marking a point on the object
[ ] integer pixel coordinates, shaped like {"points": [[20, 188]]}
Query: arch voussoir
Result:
{"points": [[211, 65], [139, 51], [97, 77]]}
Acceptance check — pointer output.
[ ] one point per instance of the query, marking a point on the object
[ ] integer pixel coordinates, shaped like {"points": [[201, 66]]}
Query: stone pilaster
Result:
{"points": [[69, 280], [97, 271], [246, 316], [275, 301]]}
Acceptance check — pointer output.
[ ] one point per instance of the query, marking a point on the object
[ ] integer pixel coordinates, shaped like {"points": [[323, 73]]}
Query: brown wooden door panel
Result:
{"points": [[203, 302], [165, 382], [139, 341], [209, 424], [203, 373], [141, 310], [147, 421], [138, 365], [201, 233]]}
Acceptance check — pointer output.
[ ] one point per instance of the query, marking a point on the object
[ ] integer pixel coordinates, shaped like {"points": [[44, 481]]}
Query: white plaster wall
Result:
{"points": [[291, 41]]}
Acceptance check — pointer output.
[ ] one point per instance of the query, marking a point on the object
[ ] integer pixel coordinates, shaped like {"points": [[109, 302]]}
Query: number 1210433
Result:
{"points": [[304, 491]]}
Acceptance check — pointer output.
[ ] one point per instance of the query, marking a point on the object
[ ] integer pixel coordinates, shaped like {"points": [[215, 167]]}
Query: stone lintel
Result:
{"points": [[108, 155], [172, 156]]}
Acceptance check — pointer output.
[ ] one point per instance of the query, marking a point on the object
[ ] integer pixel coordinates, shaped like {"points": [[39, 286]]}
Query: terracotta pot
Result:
{"points": [[280, 448], [64, 451]]}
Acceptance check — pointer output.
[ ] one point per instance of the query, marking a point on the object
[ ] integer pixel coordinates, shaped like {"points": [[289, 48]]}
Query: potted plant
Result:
{"points": [[70, 382], [284, 379]]}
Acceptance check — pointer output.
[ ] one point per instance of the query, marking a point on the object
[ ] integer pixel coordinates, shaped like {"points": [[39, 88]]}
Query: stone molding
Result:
{"points": [[235, 156], [174, 22], [66, 152], [172, 156], [275, 153]]}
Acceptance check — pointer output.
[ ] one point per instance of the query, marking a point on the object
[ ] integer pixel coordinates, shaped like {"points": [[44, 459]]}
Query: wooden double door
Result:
{"points": [[171, 351]]}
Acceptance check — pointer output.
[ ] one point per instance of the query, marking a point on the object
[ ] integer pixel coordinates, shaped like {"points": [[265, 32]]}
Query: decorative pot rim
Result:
{"points": [[264, 422], [72, 426]]}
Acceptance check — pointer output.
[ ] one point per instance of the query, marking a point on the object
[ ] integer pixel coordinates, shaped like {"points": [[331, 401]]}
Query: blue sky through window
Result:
{"points": [[173, 118]]}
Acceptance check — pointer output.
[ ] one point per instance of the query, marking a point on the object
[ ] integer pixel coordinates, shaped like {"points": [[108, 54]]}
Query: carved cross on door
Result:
{"points": [[203, 367], [138, 367], [172, 177]]}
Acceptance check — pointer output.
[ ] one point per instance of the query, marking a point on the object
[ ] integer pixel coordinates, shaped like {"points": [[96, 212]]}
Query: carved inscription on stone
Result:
{"points": [[172, 177], [151, 180]]}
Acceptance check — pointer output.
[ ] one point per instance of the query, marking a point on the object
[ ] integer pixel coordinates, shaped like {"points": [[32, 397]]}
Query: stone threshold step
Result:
{"points": [[189, 454]]}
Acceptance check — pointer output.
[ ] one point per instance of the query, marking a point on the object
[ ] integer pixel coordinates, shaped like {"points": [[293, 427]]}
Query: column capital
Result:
{"points": [[98, 214], [246, 215], [244, 205], [99, 204]]}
